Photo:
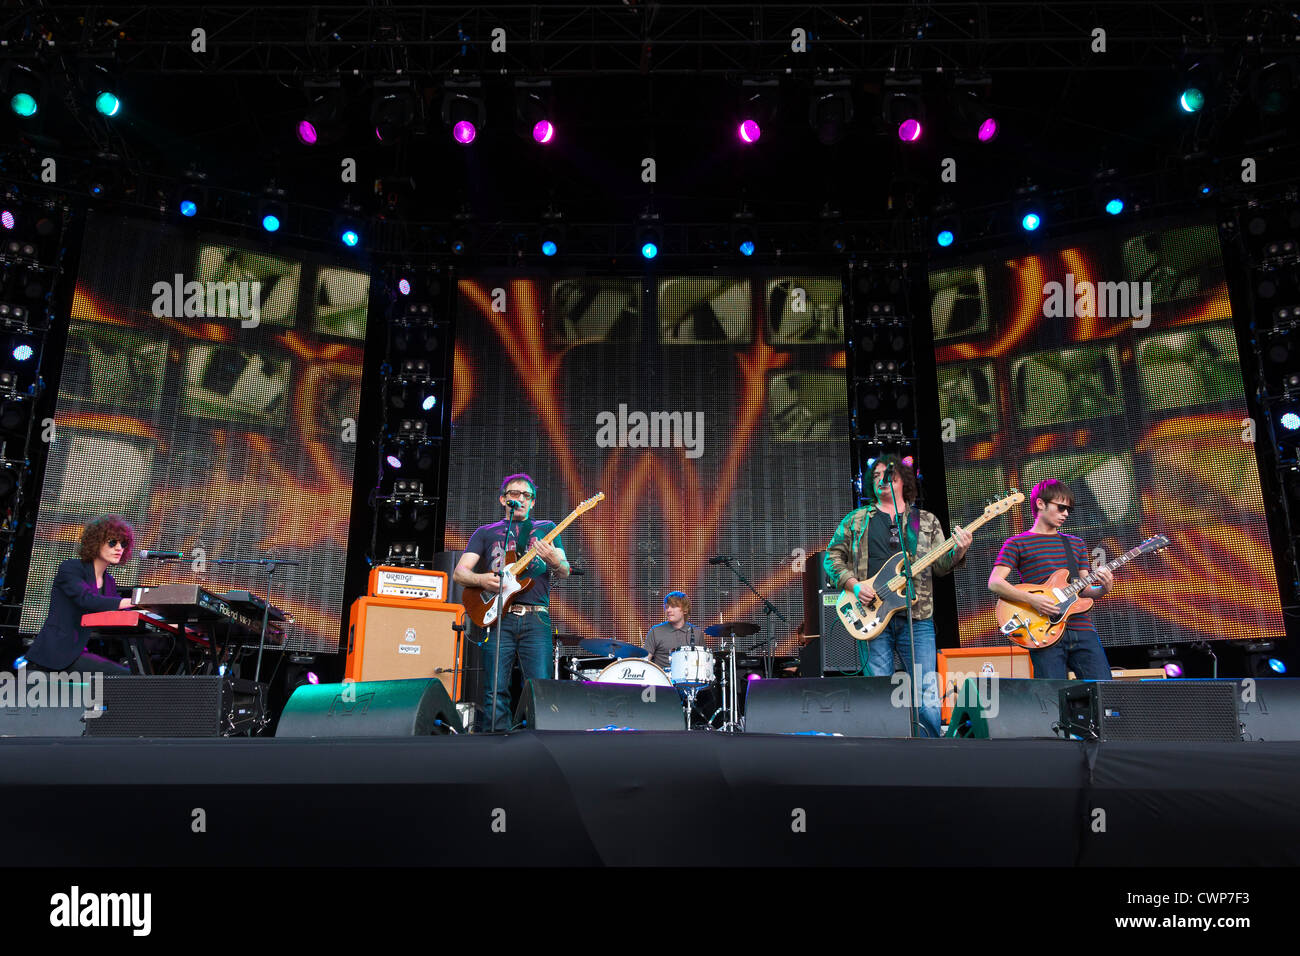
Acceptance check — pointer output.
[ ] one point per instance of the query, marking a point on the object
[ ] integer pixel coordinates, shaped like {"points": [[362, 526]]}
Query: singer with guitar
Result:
{"points": [[1034, 555], [524, 631], [863, 542]]}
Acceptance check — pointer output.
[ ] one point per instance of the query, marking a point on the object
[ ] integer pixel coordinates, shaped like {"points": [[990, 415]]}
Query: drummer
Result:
{"points": [[666, 636]]}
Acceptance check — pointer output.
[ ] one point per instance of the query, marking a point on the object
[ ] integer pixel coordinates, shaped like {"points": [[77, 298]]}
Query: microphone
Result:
{"points": [[512, 504], [720, 559], [174, 555]]}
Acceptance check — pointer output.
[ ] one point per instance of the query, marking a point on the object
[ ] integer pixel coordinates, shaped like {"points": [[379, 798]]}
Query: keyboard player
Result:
{"points": [[83, 585]]}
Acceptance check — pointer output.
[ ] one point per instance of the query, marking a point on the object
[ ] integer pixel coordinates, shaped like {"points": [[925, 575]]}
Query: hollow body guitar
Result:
{"points": [[865, 620], [481, 604], [1021, 624]]}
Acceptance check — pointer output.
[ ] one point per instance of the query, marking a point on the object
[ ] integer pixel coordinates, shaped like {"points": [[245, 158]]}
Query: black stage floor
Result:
{"points": [[623, 799]]}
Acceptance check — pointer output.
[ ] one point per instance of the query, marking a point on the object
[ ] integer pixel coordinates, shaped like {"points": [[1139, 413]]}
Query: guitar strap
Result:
{"points": [[1071, 559]]}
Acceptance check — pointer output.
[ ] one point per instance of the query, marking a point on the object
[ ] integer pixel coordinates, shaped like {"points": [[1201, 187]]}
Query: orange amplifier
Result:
{"points": [[956, 664], [408, 583], [394, 638]]}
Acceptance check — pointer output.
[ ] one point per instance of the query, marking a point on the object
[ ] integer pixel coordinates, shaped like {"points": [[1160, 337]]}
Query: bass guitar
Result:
{"points": [[481, 604], [1021, 624], [865, 620]]}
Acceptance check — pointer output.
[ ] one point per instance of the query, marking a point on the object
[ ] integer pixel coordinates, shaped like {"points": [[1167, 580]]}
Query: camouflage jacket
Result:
{"points": [[846, 555]]}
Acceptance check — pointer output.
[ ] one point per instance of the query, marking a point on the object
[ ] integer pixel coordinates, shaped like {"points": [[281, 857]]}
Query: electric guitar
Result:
{"points": [[890, 582], [481, 605], [1022, 625]]}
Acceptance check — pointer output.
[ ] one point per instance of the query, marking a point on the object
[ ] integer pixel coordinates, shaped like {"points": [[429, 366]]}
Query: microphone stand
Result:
{"points": [[500, 602], [911, 590], [272, 565], [768, 608]]}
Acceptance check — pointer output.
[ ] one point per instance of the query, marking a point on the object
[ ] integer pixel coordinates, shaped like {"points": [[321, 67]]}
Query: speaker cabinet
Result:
{"points": [[392, 638], [386, 708], [839, 651], [984, 708], [1155, 710], [851, 706], [957, 664], [202, 706], [584, 705]]}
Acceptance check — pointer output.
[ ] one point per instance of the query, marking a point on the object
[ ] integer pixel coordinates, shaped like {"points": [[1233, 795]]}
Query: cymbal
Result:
{"points": [[569, 639], [739, 629], [604, 648]]}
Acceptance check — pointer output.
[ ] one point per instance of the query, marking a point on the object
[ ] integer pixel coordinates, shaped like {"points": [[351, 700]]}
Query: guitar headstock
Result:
{"points": [[1003, 505], [589, 503], [1153, 544]]}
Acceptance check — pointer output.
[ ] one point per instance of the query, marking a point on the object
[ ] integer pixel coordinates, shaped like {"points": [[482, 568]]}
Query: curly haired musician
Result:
{"points": [[525, 630], [864, 541], [1033, 555], [83, 586]]}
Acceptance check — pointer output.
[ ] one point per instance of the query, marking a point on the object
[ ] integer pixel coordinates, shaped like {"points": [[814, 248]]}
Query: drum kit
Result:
{"points": [[691, 670]]}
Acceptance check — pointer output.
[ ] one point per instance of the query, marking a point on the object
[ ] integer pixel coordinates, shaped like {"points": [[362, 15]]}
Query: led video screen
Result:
{"points": [[206, 396], [711, 412], [1110, 364]]}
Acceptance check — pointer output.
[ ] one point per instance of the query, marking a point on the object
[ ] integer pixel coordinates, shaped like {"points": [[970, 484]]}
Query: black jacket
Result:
{"points": [[62, 638]]}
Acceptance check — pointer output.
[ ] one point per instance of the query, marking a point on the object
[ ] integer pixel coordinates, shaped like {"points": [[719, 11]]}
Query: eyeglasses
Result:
{"points": [[1060, 507], [521, 495], [113, 543]]}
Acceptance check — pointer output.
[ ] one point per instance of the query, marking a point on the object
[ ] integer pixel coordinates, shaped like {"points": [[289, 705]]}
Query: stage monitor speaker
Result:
{"points": [[985, 708], [384, 708], [813, 580], [839, 650], [198, 706], [1154, 710], [584, 705], [1268, 708], [851, 706], [394, 638], [54, 715]]}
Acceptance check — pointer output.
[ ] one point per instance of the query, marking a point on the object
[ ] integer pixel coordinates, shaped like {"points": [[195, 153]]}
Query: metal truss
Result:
{"points": [[640, 38]]}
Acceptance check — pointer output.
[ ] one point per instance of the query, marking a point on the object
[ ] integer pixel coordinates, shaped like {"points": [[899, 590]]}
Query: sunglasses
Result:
{"points": [[1060, 507], [113, 543]]}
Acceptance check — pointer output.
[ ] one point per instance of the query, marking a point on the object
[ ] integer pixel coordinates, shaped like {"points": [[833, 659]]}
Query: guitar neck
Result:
{"points": [[1090, 578], [527, 557], [920, 564]]}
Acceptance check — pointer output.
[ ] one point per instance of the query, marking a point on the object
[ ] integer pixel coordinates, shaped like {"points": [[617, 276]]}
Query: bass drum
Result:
{"points": [[633, 671]]}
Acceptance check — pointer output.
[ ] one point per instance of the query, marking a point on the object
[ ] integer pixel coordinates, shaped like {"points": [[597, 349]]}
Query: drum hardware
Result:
{"points": [[603, 648]]}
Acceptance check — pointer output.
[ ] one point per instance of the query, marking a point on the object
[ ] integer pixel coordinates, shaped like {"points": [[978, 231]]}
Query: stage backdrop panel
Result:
{"points": [[1048, 368], [203, 433], [750, 458]]}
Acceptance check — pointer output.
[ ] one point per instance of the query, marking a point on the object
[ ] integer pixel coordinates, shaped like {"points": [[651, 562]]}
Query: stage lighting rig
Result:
{"points": [[534, 115], [758, 105], [24, 90], [403, 554], [394, 109], [102, 89], [903, 108], [649, 234], [322, 122], [974, 120]]}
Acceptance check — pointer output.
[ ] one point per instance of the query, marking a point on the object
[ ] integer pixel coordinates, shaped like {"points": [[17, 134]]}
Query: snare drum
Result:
{"points": [[633, 671], [691, 666]]}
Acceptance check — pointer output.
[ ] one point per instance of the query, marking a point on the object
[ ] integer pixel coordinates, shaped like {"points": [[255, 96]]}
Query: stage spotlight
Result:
{"points": [[463, 110], [349, 237], [758, 101], [1030, 221], [549, 248], [23, 88], [945, 238], [1290, 421], [392, 110], [429, 402], [1191, 100], [270, 222], [1262, 659], [747, 247], [987, 131], [749, 131], [404, 286], [394, 461], [830, 110], [189, 208], [107, 103], [23, 352], [1272, 85], [322, 122], [552, 233], [543, 131], [458, 246], [903, 108], [7, 219], [1114, 206], [649, 249], [648, 235], [533, 111]]}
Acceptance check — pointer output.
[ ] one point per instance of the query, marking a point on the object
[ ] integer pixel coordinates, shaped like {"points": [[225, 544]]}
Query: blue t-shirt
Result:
{"points": [[1033, 557], [488, 542]]}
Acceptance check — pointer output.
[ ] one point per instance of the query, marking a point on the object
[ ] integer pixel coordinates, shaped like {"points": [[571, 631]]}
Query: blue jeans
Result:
{"points": [[877, 659], [523, 636], [1078, 651]]}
